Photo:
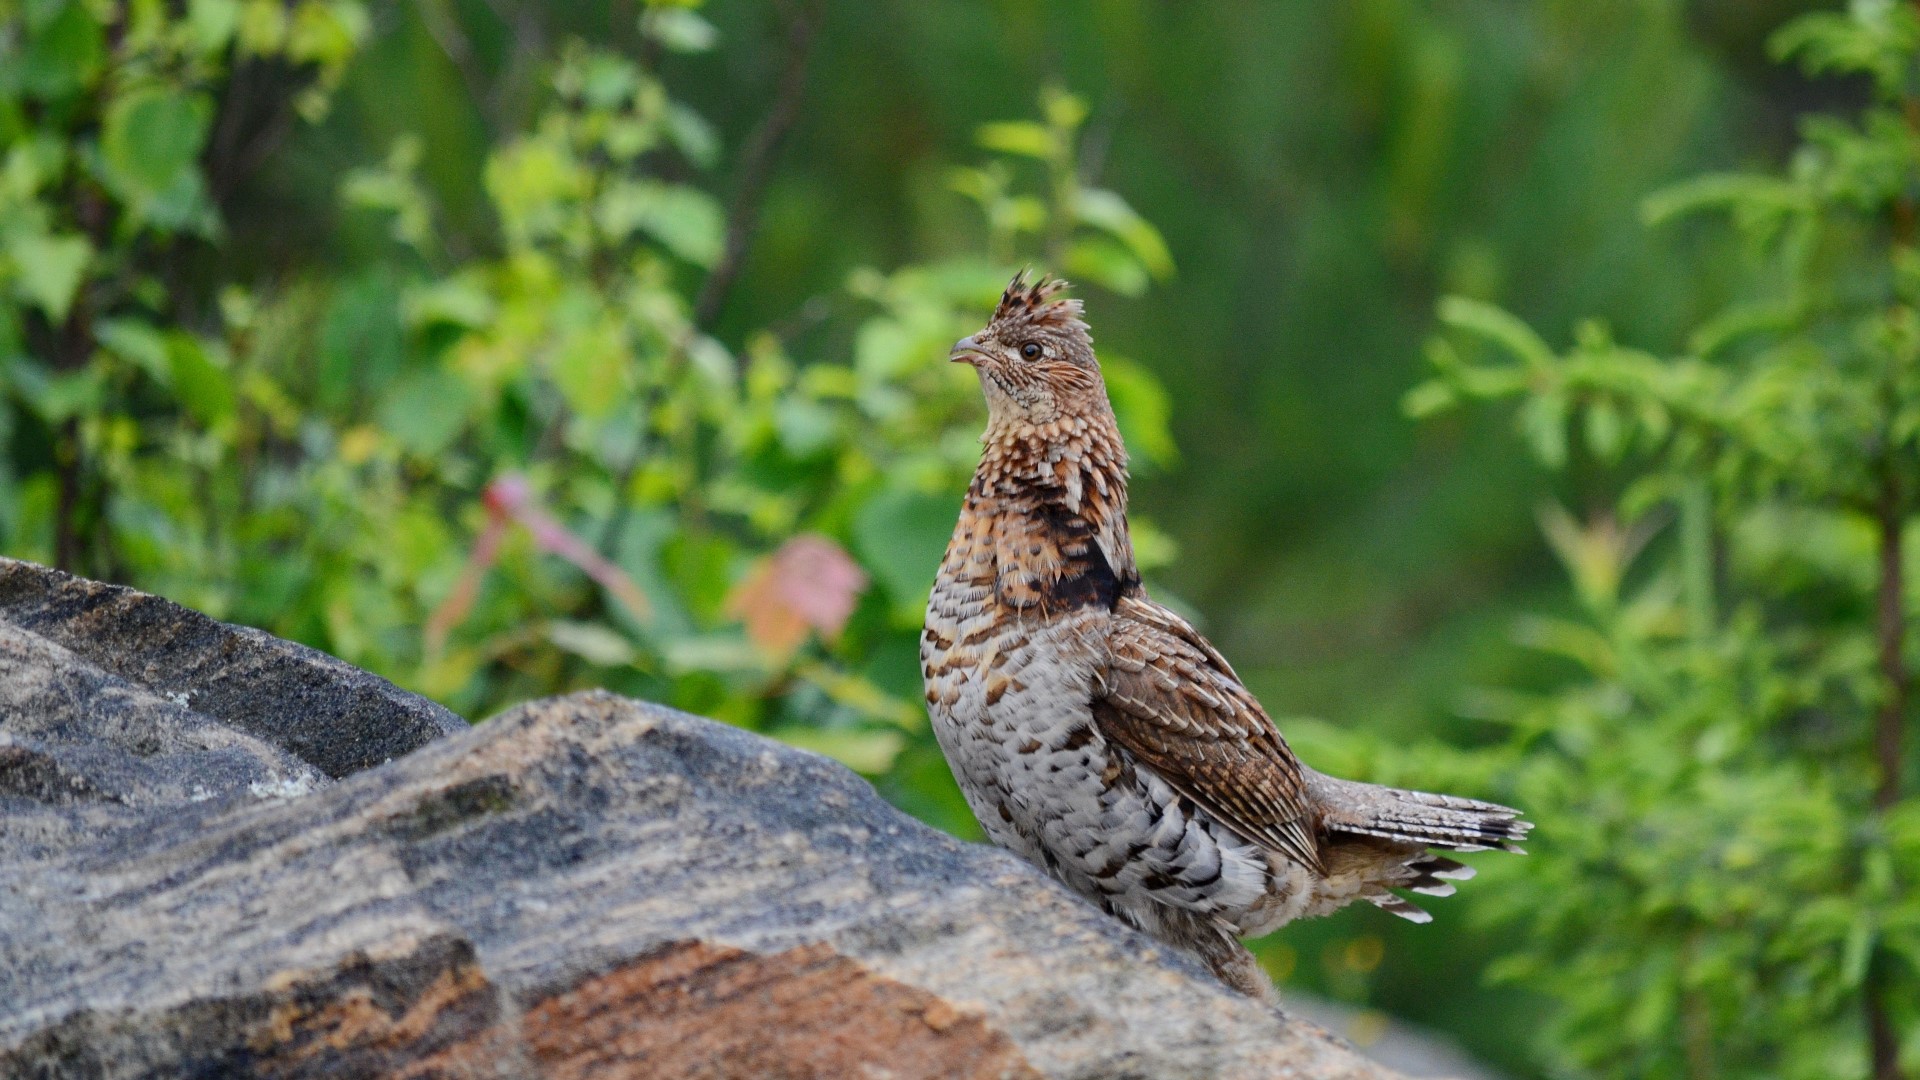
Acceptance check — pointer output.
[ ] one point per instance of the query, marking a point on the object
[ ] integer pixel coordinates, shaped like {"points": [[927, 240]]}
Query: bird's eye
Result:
{"points": [[1031, 350]]}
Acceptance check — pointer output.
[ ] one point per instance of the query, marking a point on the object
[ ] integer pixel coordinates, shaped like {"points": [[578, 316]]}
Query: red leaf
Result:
{"points": [[509, 501], [808, 584]]}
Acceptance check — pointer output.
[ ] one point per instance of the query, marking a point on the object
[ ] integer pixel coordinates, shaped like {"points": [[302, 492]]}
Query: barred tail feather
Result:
{"points": [[1417, 817], [1407, 910]]}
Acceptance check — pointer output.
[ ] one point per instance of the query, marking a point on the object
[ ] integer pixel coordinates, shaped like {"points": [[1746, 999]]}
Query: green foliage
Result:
{"points": [[496, 475], [1728, 877]]}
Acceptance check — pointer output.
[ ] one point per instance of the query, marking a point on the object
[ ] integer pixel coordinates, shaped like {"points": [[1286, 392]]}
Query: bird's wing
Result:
{"points": [[1172, 700]]}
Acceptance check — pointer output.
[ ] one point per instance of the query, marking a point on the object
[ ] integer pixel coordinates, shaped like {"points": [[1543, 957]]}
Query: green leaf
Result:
{"points": [[1063, 110], [200, 379], [1499, 326], [687, 221], [1739, 322], [325, 32], [690, 131], [679, 29], [48, 269], [213, 24], [1144, 411], [425, 410], [1022, 137], [456, 301], [532, 183], [1106, 263], [63, 55], [884, 349], [590, 368], [1106, 210], [805, 427], [140, 344], [1606, 430], [595, 643], [864, 750], [1877, 38], [152, 139], [1720, 190], [55, 398], [900, 536], [605, 80], [263, 27], [1428, 399], [1543, 420]]}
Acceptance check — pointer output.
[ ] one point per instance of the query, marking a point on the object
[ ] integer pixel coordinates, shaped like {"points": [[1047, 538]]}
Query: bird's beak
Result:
{"points": [[966, 351]]}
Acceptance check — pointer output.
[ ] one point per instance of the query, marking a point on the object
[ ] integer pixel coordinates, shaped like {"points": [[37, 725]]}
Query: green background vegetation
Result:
{"points": [[1524, 396]]}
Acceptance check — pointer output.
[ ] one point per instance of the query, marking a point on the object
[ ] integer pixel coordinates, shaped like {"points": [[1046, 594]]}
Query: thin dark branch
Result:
{"points": [[518, 72], [743, 217], [1891, 631], [443, 25], [73, 347], [1095, 143], [756, 165]]}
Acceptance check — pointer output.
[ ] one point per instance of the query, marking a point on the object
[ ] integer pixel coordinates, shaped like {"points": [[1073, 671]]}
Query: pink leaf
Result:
{"points": [[453, 610], [509, 501], [808, 584]]}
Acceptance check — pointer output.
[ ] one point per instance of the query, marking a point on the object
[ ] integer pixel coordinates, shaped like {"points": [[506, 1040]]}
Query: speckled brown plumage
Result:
{"points": [[1097, 733]]}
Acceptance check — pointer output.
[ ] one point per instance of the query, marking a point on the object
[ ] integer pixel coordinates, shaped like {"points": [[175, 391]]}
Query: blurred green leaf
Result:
{"points": [[862, 750], [55, 397], [152, 137], [1498, 326], [679, 29], [900, 536], [590, 369], [213, 24], [1107, 264], [1720, 191], [1105, 210], [1020, 137], [64, 51], [1143, 409], [593, 642], [48, 268], [693, 135], [200, 379], [1428, 399], [425, 410], [140, 344], [687, 221]]}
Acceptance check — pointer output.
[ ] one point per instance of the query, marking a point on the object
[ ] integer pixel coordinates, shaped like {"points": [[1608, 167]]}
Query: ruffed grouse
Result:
{"points": [[1096, 733]]}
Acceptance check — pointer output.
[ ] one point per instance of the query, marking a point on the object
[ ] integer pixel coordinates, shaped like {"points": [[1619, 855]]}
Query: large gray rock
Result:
{"points": [[331, 715], [586, 886]]}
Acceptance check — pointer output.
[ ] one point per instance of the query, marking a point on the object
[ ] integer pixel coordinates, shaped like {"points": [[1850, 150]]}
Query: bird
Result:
{"points": [[1096, 733]]}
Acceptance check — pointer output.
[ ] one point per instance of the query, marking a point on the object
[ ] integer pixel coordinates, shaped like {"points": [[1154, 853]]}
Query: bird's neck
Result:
{"points": [[1058, 495]]}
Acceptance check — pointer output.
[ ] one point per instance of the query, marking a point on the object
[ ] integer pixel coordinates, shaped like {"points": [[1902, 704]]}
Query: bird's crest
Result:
{"points": [[1034, 305]]}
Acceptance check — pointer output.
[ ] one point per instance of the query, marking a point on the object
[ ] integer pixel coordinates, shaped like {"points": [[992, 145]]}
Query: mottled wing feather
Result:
{"points": [[1170, 699]]}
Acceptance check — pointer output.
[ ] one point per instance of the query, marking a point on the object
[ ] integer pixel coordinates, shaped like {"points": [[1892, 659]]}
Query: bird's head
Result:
{"points": [[1035, 357]]}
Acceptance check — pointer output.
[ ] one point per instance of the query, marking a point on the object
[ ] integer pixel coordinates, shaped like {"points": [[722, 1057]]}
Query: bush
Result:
{"points": [[1728, 878]]}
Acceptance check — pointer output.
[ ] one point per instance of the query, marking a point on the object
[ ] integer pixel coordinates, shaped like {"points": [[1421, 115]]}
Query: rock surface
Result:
{"points": [[331, 715], [584, 887]]}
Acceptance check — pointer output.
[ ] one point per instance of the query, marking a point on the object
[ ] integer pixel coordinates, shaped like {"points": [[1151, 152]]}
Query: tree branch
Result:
{"points": [[1890, 631], [743, 217], [756, 165]]}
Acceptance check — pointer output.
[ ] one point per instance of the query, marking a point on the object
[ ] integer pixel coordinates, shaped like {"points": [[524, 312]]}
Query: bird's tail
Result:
{"points": [[1395, 827]]}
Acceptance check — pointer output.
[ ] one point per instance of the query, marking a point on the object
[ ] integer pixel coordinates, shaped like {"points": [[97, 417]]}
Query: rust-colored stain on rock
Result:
{"points": [[695, 1010], [364, 1020]]}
